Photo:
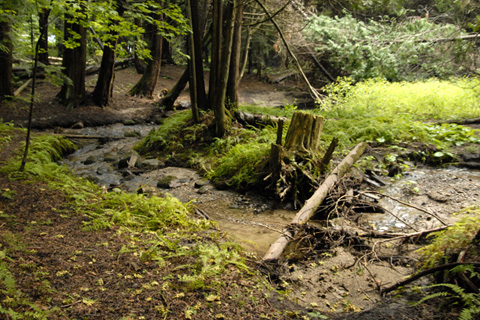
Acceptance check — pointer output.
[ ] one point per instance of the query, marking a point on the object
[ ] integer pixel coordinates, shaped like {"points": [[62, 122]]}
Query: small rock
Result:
{"points": [[164, 182], [102, 170], [109, 158], [151, 164], [129, 122], [131, 134], [178, 182], [201, 183], [149, 190], [439, 195], [89, 160], [125, 162], [78, 125], [204, 189]]}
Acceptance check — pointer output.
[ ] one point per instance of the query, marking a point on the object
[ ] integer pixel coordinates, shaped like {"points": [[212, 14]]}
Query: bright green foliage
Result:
{"points": [[387, 49], [157, 140], [422, 100], [242, 159], [452, 240], [377, 110], [138, 211], [5, 133]]}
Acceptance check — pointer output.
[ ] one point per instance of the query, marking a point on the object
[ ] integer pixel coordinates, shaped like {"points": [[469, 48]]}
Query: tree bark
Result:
{"points": [[6, 85], [173, 94], [311, 205], [198, 95], [146, 85], [304, 132], [192, 66], [216, 50], [43, 15], [224, 67], [167, 53], [103, 92], [74, 62], [234, 73]]}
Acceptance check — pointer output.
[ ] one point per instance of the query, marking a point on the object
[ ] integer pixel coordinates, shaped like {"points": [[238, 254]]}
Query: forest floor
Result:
{"points": [[81, 273]]}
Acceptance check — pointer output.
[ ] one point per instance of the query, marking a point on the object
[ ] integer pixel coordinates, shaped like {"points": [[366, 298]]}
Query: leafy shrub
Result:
{"points": [[387, 49]]}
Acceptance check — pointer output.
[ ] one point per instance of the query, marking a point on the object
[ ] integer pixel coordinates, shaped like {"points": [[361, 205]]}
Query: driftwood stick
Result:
{"points": [[398, 236], [411, 206], [425, 273], [309, 208]]}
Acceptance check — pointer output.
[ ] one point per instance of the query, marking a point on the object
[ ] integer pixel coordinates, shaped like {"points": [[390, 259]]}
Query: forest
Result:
{"points": [[293, 159]]}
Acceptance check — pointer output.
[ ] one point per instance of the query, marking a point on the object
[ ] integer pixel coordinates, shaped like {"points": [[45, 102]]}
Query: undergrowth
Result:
{"points": [[159, 138], [448, 243], [456, 243], [370, 111], [176, 234]]}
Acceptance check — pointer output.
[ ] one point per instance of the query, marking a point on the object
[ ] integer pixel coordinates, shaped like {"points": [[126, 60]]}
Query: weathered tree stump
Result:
{"points": [[304, 132], [302, 143]]}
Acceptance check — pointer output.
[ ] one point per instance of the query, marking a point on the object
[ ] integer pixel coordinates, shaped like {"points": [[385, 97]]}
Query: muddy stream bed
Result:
{"points": [[339, 283]]}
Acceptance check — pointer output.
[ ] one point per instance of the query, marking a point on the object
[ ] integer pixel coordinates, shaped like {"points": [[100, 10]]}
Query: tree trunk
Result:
{"points": [[192, 66], [6, 85], [234, 73], [74, 61], [173, 94], [309, 208], [304, 132], [197, 83], [140, 65], [146, 85], [167, 57], [43, 15], [216, 50], [224, 66], [102, 94]]}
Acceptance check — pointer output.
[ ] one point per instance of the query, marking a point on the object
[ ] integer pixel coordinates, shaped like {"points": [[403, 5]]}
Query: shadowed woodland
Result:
{"points": [[299, 118]]}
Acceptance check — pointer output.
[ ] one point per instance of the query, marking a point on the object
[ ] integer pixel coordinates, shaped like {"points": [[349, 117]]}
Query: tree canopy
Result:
{"points": [[321, 40]]}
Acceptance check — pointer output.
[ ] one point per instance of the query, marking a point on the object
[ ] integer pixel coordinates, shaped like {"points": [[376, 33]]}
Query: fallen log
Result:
{"points": [[22, 87], [255, 119], [311, 205], [80, 136]]}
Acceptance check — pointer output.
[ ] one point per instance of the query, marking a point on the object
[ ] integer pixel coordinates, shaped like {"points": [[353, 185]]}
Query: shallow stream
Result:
{"points": [[257, 222]]}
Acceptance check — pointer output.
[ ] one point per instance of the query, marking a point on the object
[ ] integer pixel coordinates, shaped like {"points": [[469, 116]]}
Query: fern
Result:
{"points": [[470, 301], [451, 240]]}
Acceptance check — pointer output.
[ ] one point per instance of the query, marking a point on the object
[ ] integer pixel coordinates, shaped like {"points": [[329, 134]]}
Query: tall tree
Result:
{"points": [[146, 85], [222, 34], [235, 66], [102, 94], [43, 14], [197, 85], [74, 55], [6, 49]]}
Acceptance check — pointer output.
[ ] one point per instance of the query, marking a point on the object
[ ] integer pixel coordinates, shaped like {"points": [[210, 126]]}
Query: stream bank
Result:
{"points": [[333, 279]]}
